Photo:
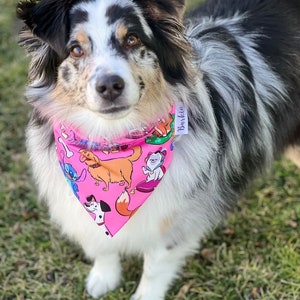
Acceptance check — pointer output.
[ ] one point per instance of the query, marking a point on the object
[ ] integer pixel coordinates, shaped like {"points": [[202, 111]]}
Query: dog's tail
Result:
{"points": [[122, 205], [137, 152]]}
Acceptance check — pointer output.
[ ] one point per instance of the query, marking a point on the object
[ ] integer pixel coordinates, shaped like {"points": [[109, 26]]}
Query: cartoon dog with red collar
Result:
{"points": [[98, 209]]}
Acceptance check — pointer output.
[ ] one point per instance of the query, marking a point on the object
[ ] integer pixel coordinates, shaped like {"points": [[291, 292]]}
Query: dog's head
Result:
{"points": [[88, 157], [93, 206], [116, 59]]}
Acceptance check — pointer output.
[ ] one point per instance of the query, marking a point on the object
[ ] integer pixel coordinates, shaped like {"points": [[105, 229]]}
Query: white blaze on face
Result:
{"points": [[102, 37]]}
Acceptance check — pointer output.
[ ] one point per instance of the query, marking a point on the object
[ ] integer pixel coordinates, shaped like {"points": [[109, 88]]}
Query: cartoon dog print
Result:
{"points": [[118, 170], [98, 209]]}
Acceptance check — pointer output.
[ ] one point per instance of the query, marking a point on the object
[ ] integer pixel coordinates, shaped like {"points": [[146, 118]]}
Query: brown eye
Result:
{"points": [[77, 51], [132, 41]]}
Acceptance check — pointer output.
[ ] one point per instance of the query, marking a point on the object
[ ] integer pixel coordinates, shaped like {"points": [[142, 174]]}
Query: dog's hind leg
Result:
{"points": [[127, 179], [105, 275], [161, 266], [293, 153]]}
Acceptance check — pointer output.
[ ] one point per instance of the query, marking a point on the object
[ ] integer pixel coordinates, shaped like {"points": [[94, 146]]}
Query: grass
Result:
{"points": [[254, 254]]}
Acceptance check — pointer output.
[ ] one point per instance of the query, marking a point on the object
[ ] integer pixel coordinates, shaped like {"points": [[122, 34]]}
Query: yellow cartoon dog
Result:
{"points": [[117, 170]]}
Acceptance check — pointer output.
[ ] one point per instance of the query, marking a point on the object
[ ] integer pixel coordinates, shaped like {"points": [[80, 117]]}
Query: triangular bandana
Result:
{"points": [[113, 179]]}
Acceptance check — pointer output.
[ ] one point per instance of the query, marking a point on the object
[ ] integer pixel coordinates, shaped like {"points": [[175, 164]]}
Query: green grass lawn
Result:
{"points": [[255, 254]]}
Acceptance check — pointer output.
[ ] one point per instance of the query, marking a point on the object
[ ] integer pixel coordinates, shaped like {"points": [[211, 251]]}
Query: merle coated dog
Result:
{"points": [[107, 65]]}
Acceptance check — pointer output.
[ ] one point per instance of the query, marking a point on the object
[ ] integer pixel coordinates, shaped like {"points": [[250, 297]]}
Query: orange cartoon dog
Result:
{"points": [[117, 170]]}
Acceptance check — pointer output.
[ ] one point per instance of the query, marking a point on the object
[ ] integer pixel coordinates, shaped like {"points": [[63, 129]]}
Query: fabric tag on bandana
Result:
{"points": [[112, 179], [181, 119]]}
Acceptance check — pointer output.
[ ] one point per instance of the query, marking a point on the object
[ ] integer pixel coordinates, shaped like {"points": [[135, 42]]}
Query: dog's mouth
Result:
{"points": [[83, 158], [115, 111]]}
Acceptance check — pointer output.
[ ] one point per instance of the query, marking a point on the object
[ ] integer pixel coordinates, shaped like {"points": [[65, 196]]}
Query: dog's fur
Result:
{"points": [[234, 64]]}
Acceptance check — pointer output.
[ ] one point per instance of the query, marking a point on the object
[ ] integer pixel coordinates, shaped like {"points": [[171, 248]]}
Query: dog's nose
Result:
{"points": [[110, 87]]}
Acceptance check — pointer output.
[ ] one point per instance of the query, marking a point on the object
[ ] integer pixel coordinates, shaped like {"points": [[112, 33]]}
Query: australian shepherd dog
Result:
{"points": [[106, 66]]}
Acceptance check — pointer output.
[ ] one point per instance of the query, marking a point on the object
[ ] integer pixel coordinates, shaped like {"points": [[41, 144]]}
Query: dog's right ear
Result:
{"points": [[48, 20]]}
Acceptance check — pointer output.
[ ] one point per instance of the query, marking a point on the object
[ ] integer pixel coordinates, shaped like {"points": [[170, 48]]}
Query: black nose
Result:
{"points": [[110, 87]]}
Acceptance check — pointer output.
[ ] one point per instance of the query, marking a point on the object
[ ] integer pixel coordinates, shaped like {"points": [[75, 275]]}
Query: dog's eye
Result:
{"points": [[77, 51], [132, 41]]}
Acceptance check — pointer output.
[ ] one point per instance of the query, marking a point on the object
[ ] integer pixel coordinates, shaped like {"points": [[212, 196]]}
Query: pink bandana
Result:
{"points": [[113, 179]]}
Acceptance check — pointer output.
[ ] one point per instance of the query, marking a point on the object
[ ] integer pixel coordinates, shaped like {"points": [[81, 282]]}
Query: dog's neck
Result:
{"points": [[111, 169]]}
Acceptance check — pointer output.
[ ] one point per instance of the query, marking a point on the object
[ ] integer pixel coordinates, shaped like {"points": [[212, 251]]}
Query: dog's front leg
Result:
{"points": [[104, 276], [161, 266]]}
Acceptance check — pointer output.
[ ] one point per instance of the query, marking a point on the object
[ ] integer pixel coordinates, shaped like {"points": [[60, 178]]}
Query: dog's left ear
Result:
{"points": [[180, 7], [48, 20], [165, 18], [177, 7], [104, 206], [157, 9], [91, 198]]}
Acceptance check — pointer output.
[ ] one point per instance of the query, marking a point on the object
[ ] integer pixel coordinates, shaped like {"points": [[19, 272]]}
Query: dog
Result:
{"points": [[113, 170], [98, 209], [108, 66]]}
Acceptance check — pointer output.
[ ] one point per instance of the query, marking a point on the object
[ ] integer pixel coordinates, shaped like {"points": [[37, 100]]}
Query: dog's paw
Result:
{"points": [[147, 294], [145, 297], [99, 283], [135, 297]]}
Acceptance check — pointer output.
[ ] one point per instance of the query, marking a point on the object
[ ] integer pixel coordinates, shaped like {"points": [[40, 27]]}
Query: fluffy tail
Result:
{"points": [[137, 152], [122, 204]]}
